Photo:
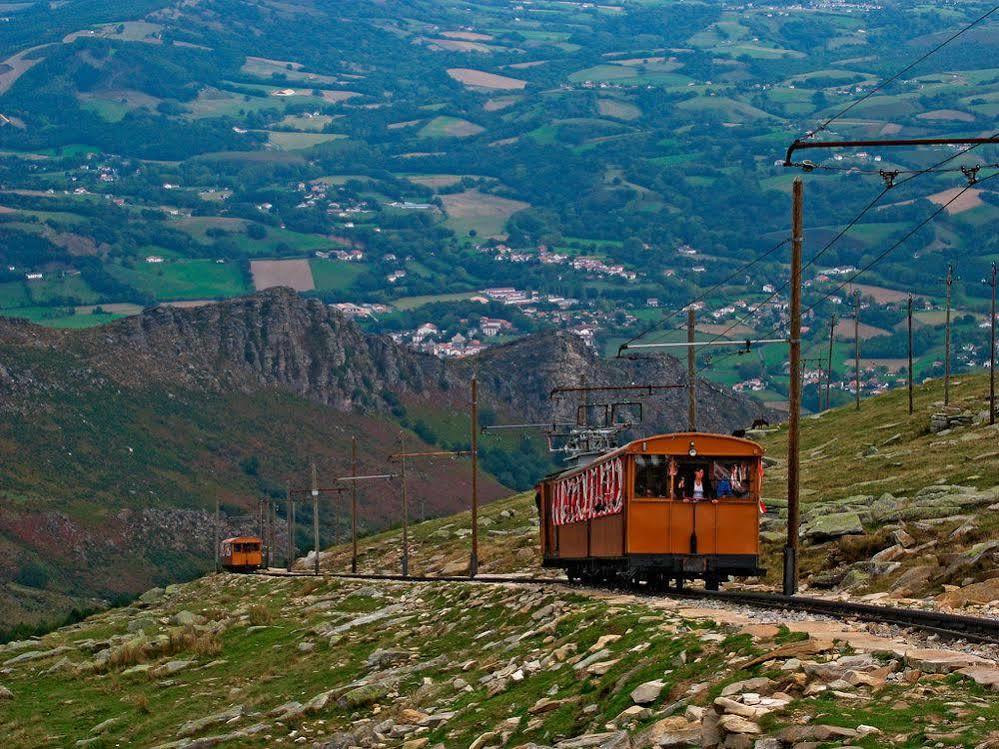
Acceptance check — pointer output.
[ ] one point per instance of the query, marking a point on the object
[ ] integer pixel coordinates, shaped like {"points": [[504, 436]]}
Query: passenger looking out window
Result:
{"points": [[732, 479], [666, 477], [693, 483]]}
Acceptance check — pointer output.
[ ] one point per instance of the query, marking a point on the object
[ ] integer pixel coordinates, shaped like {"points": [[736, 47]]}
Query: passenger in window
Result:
{"points": [[699, 488], [740, 480], [723, 480]]}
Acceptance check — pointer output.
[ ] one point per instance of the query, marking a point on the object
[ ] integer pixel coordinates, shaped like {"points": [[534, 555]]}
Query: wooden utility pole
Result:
{"points": [[992, 353], [856, 346], [402, 456], [216, 534], [794, 393], [832, 335], [353, 504], [950, 284], [265, 535], [315, 518], [290, 510], [405, 513], [691, 371], [911, 375], [473, 561], [272, 549]]}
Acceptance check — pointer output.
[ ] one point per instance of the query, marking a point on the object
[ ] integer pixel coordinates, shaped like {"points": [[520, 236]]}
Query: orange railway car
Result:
{"points": [[667, 507], [242, 553]]}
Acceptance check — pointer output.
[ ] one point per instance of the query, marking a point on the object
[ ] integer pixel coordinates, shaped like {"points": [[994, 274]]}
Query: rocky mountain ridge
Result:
{"points": [[276, 338]]}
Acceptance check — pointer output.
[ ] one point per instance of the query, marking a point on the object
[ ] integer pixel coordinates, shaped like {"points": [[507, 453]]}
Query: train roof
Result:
{"points": [[705, 442], [242, 539]]}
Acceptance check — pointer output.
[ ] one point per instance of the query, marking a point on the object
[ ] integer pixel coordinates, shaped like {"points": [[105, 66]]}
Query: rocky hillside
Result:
{"points": [[551, 360], [928, 536], [249, 661], [117, 440]]}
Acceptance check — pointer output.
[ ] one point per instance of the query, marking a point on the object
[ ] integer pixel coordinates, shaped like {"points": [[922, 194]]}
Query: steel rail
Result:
{"points": [[957, 626]]}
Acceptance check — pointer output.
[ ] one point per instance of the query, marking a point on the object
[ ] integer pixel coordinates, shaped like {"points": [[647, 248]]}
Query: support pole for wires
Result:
{"points": [[405, 511], [856, 347], [353, 479], [909, 317], [832, 335], [992, 352], [473, 561], [353, 505], [950, 283], [290, 509], [216, 534], [691, 371], [271, 531], [273, 545], [315, 518], [794, 394], [265, 532]]}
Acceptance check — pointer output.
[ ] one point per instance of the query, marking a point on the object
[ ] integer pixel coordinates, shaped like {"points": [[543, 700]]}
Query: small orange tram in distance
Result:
{"points": [[241, 553], [671, 506]]}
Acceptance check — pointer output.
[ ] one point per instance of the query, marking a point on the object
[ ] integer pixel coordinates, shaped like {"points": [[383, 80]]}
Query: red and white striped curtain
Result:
{"points": [[597, 491]]}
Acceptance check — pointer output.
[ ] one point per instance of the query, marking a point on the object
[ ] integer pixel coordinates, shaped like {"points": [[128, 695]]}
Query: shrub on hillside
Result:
{"points": [[33, 575]]}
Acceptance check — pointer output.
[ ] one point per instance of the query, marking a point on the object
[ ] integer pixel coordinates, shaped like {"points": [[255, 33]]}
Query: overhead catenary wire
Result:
{"points": [[881, 256], [777, 291], [704, 294], [934, 168], [825, 124]]}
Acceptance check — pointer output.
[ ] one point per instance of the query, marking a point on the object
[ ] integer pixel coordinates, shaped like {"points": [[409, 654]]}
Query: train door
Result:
{"points": [[649, 525]]}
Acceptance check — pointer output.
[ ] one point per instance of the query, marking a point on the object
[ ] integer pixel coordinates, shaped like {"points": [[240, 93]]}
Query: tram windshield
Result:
{"points": [[669, 477]]}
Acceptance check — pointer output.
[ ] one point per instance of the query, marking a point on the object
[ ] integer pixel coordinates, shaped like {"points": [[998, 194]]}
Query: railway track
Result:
{"points": [[953, 626]]}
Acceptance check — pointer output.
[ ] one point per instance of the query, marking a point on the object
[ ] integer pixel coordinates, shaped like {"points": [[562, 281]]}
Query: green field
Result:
{"points": [[290, 141], [52, 290], [110, 111], [335, 275], [449, 127], [278, 240], [187, 279], [60, 317], [13, 294], [656, 72], [722, 106], [412, 302]]}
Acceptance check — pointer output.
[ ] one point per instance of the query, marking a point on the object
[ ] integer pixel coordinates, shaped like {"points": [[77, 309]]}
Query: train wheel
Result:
{"points": [[711, 583]]}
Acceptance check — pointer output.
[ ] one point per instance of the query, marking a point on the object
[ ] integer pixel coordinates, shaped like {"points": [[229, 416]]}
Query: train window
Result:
{"points": [[652, 476], [713, 479], [732, 478]]}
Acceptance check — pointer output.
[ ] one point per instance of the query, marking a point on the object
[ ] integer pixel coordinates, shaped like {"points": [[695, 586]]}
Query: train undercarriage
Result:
{"points": [[659, 570]]}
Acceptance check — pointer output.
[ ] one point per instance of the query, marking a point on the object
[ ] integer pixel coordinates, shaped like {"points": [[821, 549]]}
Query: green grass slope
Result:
{"points": [[108, 489], [247, 661]]}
